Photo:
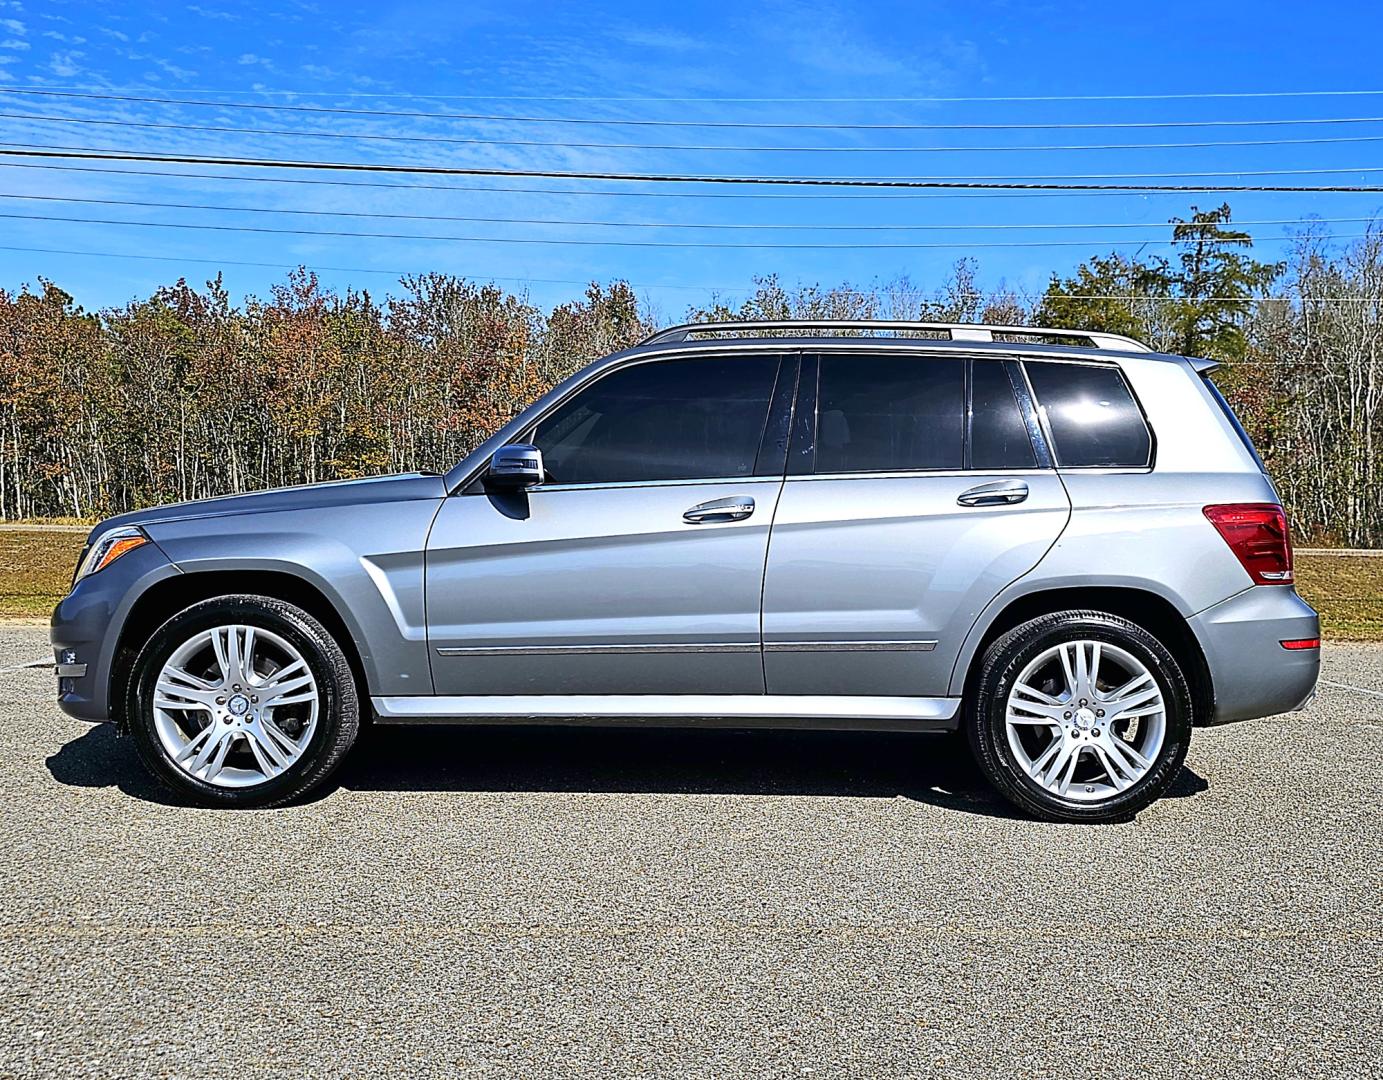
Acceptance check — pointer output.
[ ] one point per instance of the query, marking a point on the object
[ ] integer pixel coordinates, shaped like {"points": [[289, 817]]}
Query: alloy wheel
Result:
{"points": [[235, 706], [1086, 720]]}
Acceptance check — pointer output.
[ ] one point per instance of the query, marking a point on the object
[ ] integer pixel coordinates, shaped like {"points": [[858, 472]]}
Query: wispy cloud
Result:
{"points": [[65, 64], [648, 37], [14, 26], [212, 13], [14, 43]]}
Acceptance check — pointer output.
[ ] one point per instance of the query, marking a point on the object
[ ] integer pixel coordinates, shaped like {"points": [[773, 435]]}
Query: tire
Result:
{"points": [[1053, 748], [249, 735]]}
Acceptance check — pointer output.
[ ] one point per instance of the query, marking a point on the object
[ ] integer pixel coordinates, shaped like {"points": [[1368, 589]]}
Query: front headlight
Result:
{"points": [[108, 547]]}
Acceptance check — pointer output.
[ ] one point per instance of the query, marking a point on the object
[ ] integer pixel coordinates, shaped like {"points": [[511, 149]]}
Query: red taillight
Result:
{"points": [[1302, 643], [1257, 534]]}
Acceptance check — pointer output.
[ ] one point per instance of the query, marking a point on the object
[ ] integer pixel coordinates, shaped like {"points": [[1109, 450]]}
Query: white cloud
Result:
{"points": [[14, 43], [119, 35], [14, 26], [64, 64], [212, 13]]}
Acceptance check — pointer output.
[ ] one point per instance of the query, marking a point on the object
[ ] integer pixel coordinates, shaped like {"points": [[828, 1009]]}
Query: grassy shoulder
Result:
{"points": [[36, 568]]}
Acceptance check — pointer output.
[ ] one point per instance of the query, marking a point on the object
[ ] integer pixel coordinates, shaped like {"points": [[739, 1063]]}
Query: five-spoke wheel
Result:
{"points": [[243, 700], [235, 705], [1080, 716]]}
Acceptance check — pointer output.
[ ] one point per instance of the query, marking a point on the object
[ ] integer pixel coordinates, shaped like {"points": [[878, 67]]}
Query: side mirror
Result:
{"points": [[514, 467]]}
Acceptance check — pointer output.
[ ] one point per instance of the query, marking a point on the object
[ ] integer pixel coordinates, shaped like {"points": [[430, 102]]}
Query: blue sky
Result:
{"points": [[683, 62]]}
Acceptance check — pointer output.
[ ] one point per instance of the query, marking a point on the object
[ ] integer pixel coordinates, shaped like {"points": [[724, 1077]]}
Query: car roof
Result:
{"points": [[829, 342]]}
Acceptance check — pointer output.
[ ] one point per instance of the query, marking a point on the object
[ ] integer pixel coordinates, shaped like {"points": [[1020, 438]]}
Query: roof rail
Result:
{"points": [[956, 331]]}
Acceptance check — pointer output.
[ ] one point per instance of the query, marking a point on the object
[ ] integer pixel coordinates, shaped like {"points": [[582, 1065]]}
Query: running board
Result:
{"points": [[680, 710]]}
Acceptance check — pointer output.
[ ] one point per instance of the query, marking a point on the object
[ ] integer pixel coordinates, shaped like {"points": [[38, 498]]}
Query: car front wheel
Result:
{"points": [[242, 701], [1080, 716]]}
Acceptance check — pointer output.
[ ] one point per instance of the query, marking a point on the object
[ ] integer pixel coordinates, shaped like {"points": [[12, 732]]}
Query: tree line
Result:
{"points": [[186, 394]]}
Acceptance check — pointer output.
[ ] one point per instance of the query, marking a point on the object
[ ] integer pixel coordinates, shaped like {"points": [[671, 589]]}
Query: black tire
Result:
{"points": [[1005, 660], [338, 718]]}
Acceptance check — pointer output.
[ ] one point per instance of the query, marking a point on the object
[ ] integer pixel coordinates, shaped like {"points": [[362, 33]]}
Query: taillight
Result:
{"points": [[1257, 534]]}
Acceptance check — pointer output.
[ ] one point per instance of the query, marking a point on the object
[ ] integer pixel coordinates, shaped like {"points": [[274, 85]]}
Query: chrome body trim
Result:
{"points": [[791, 710], [599, 650], [849, 646], [687, 647], [955, 331]]}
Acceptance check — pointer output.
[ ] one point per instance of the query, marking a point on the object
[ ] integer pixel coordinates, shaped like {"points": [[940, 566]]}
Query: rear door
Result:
{"points": [[918, 487], [638, 567]]}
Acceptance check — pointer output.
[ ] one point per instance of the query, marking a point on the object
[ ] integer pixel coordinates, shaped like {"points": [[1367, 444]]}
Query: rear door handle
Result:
{"points": [[999, 493], [735, 508]]}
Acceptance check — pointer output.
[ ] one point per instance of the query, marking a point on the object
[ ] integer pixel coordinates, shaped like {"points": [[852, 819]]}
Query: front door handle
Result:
{"points": [[999, 493], [735, 508]]}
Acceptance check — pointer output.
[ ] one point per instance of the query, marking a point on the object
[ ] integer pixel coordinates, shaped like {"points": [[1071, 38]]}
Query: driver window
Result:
{"points": [[698, 418]]}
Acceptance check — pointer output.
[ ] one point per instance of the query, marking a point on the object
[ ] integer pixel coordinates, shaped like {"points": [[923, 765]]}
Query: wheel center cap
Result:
{"points": [[239, 705], [1085, 719]]}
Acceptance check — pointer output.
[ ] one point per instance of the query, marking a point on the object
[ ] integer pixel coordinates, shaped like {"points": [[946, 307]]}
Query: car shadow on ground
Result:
{"points": [[934, 769]]}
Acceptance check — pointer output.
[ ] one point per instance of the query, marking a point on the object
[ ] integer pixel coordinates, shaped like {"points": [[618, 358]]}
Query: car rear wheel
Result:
{"points": [[243, 701], [1080, 716]]}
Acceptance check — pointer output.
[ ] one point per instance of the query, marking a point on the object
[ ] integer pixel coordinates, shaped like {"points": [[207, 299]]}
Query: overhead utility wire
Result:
{"points": [[226, 129], [755, 226], [416, 96], [571, 242], [405, 186], [748, 125], [913, 183]]}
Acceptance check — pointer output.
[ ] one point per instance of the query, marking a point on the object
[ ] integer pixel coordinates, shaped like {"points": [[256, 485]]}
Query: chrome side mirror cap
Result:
{"points": [[516, 466]]}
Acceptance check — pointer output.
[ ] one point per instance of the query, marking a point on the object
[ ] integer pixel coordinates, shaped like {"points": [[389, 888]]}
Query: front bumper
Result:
{"points": [[1252, 674], [86, 625]]}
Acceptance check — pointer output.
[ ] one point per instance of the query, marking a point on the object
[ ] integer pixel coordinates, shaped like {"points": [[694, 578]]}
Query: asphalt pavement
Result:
{"points": [[610, 903]]}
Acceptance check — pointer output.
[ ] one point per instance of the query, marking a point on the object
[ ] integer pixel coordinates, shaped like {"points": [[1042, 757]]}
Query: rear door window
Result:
{"points": [[889, 413], [1091, 414], [998, 433]]}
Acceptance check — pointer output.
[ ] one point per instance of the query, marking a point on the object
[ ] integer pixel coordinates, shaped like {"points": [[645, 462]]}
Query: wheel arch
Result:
{"points": [[1144, 606], [164, 599]]}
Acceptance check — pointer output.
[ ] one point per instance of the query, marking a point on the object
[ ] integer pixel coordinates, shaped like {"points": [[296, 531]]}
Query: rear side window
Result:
{"points": [[998, 435], [889, 414], [1091, 414], [699, 418]]}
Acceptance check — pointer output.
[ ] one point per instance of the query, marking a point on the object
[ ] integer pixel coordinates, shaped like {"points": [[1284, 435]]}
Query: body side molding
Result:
{"points": [[843, 713]]}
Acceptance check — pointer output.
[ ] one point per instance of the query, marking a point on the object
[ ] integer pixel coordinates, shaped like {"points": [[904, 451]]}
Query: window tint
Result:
{"points": [[1092, 415], [666, 420], [889, 414], [998, 435]]}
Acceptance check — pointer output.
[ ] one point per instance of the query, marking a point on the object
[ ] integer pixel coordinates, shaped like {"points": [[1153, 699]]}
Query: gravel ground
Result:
{"points": [[691, 904]]}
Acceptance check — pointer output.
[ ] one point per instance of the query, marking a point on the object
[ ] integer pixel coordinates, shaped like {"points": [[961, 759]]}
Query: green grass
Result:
{"points": [[36, 567], [35, 570], [1348, 592]]}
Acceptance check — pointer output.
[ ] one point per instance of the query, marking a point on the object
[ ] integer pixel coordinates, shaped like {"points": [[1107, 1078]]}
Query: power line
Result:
{"points": [[397, 114], [759, 195], [981, 182], [83, 253], [224, 129], [571, 242], [756, 226], [415, 96]]}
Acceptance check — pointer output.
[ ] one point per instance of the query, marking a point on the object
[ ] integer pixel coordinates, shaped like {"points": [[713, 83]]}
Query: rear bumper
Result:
{"points": [[1252, 674]]}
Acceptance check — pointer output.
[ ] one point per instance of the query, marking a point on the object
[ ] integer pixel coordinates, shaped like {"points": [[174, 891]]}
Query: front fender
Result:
{"points": [[366, 560]]}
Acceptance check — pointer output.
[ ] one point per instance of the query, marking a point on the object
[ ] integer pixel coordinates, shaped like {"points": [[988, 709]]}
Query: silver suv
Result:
{"points": [[1060, 542]]}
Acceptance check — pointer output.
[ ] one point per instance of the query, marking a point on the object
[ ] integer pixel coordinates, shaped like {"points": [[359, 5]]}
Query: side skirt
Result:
{"points": [[681, 710]]}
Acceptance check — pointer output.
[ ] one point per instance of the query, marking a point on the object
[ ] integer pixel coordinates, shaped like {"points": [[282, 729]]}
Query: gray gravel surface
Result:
{"points": [[690, 904]]}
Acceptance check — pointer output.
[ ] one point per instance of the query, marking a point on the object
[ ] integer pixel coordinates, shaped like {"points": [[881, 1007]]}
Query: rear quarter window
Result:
{"points": [[1091, 414]]}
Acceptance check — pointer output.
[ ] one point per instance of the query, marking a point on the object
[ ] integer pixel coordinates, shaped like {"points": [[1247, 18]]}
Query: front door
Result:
{"points": [[637, 568]]}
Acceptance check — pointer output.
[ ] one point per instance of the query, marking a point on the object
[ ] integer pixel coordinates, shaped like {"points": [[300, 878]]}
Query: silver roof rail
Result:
{"points": [[956, 331]]}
